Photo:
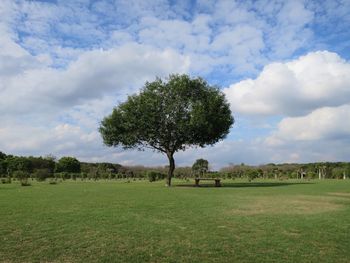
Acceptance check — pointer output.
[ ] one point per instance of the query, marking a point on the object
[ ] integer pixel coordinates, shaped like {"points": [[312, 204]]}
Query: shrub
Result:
{"points": [[25, 182], [53, 181], [6, 180], [83, 176], [42, 174], [155, 176], [252, 174], [63, 175], [20, 175]]}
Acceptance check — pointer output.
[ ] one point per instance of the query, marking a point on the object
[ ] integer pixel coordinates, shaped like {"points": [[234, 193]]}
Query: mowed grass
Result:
{"points": [[109, 221]]}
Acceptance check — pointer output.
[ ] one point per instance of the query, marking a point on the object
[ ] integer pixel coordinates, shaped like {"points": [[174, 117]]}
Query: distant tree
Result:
{"points": [[252, 174], [16, 163], [3, 167], [200, 167], [2, 156], [39, 163], [169, 116], [68, 165]]}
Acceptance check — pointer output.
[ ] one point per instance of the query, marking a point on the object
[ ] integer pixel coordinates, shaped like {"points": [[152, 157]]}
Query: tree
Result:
{"points": [[2, 156], [168, 116], [19, 163], [200, 167], [68, 164]]}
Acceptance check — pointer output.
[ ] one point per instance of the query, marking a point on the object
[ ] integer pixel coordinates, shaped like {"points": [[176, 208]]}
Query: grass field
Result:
{"points": [[264, 221]]}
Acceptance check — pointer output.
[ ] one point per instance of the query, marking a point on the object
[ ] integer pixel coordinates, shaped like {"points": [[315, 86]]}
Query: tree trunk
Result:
{"points": [[171, 168]]}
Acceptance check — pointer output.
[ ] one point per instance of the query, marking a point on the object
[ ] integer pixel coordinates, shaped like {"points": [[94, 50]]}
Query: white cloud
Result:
{"points": [[64, 65], [311, 97], [328, 123], [122, 70], [57, 110], [315, 80]]}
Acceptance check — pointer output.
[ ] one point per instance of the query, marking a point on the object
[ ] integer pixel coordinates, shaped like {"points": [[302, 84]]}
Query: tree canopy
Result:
{"points": [[200, 167], [168, 116], [68, 164]]}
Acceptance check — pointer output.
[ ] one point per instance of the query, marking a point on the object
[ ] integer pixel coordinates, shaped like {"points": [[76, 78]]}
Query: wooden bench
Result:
{"points": [[217, 181]]}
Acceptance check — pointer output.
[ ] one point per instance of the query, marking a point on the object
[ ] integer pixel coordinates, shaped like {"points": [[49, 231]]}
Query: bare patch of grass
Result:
{"points": [[294, 205], [340, 194]]}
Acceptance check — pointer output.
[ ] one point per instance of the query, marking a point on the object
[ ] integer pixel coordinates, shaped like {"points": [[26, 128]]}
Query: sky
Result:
{"points": [[283, 65]]}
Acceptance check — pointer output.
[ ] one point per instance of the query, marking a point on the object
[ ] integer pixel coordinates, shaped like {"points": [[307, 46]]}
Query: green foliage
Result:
{"points": [[25, 182], [20, 175], [214, 175], [68, 165], [200, 167], [42, 174], [2, 156], [155, 176], [16, 163], [252, 174], [3, 167], [63, 175], [6, 180], [169, 116], [53, 181], [338, 172], [39, 163]]}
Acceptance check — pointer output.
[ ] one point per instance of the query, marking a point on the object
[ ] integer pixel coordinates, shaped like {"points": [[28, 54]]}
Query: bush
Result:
{"points": [[83, 176], [53, 181], [252, 174], [155, 176], [6, 180], [25, 182], [42, 174], [20, 175], [63, 175]]}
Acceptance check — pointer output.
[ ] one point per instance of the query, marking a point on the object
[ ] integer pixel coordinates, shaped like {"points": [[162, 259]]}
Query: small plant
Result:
{"points": [[53, 181], [6, 180], [25, 182]]}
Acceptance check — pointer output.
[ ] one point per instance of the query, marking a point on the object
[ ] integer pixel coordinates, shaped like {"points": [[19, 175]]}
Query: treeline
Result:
{"points": [[319, 170], [42, 168]]}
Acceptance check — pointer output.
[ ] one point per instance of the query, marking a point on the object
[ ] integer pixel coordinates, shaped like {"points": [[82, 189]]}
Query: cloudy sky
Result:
{"points": [[284, 66]]}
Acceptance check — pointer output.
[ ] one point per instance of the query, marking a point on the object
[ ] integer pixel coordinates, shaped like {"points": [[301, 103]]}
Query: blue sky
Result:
{"points": [[283, 65]]}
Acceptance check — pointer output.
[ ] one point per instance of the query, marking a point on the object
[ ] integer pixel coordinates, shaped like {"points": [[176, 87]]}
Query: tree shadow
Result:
{"points": [[243, 184]]}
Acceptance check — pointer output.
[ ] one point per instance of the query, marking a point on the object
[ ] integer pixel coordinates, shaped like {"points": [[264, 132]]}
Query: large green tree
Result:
{"points": [[168, 116]]}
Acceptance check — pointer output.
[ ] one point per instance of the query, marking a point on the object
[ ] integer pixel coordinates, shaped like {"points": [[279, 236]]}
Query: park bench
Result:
{"points": [[217, 181]]}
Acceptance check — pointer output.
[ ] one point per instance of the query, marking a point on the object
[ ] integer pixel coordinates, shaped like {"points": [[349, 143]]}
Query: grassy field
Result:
{"points": [[263, 221]]}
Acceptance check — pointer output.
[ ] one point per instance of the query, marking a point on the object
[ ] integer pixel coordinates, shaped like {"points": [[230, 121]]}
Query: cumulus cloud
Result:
{"points": [[63, 66], [311, 98], [121, 70], [327, 123], [46, 109], [298, 87]]}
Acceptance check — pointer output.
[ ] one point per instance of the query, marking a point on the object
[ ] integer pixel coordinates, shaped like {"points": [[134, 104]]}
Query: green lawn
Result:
{"points": [[264, 221]]}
